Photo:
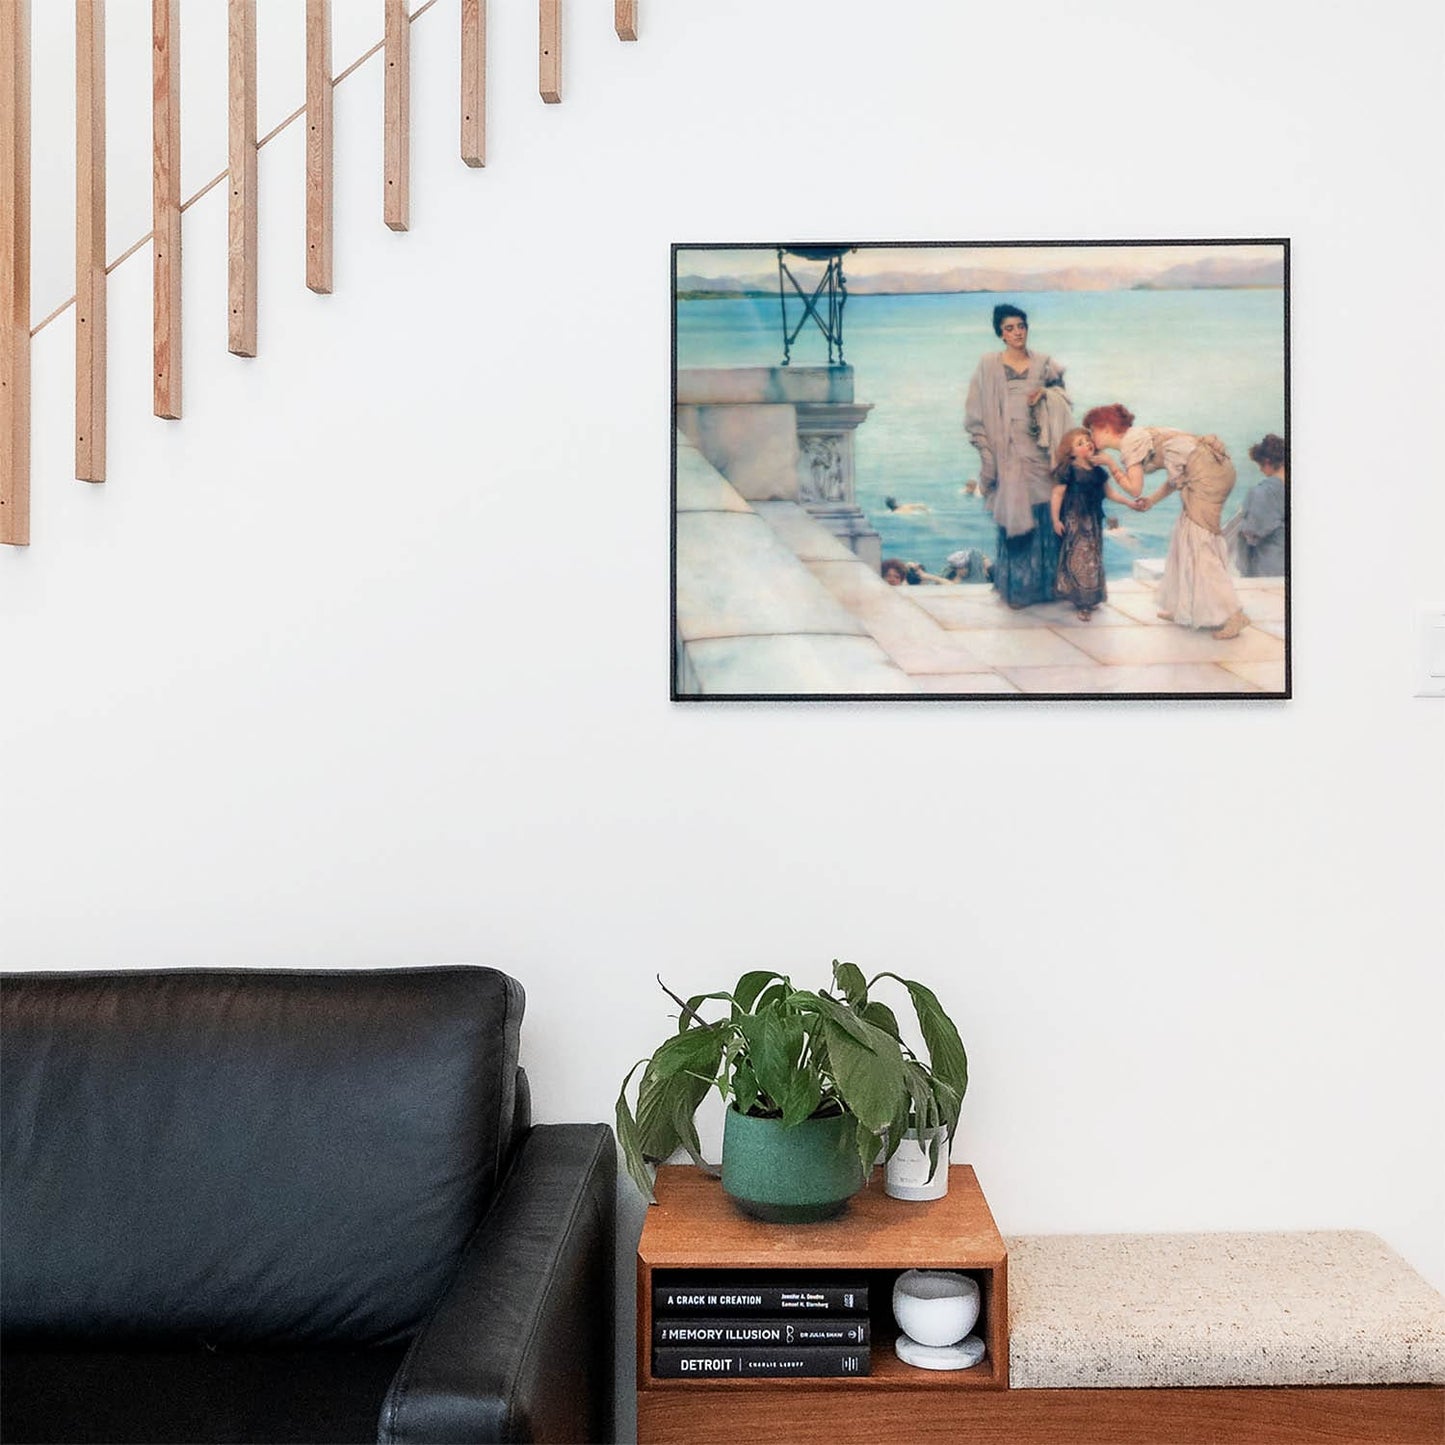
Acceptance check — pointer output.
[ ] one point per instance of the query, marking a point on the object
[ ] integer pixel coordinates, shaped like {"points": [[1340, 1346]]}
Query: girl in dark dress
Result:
{"points": [[1077, 505]]}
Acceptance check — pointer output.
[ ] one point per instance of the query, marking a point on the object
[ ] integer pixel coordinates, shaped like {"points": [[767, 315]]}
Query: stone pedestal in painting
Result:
{"points": [[782, 433], [825, 472]]}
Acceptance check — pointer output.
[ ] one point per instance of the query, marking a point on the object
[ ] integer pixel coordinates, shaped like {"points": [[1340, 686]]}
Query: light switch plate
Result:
{"points": [[1432, 653]]}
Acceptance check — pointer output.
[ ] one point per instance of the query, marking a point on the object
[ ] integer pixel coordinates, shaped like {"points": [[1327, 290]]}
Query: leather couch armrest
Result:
{"points": [[520, 1346]]}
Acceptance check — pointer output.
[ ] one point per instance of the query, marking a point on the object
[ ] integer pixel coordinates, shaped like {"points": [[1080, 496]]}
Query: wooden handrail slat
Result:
{"points": [[396, 46], [242, 217], [624, 19], [549, 50], [90, 273], [15, 272], [474, 82], [318, 147], [166, 204]]}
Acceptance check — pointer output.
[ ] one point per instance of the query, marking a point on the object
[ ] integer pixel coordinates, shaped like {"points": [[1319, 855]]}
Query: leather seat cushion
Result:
{"points": [[79, 1397]]}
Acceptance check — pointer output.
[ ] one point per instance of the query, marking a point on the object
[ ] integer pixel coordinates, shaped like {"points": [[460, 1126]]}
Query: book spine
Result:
{"points": [[756, 1361], [805, 1330], [744, 1299]]}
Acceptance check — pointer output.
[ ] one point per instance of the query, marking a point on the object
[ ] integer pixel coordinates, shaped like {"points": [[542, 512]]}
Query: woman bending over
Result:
{"points": [[1195, 590]]}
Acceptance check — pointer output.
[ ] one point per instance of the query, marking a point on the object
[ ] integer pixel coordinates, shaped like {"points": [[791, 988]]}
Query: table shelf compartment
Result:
{"points": [[696, 1233], [887, 1372]]}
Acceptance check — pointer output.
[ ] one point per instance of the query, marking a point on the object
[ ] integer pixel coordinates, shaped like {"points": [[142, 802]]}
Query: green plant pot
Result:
{"points": [[791, 1176]]}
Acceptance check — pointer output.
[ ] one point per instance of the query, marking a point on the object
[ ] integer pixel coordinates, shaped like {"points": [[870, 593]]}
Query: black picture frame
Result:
{"points": [[712, 426]]}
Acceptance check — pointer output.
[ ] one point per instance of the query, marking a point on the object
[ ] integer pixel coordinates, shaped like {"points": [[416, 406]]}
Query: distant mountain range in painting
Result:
{"points": [[1211, 273]]}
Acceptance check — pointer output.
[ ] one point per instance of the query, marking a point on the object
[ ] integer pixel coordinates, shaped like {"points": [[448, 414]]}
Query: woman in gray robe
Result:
{"points": [[1259, 543], [1016, 411]]}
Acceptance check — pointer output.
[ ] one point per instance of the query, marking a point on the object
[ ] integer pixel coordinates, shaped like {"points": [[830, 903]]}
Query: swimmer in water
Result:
{"points": [[1114, 532], [903, 508], [968, 565], [897, 573]]}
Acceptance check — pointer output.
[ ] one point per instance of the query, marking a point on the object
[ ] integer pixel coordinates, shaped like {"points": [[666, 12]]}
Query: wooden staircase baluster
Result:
{"points": [[397, 105], [15, 272], [90, 283], [242, 219], [549, 50], [474, 82], [318, 146], [166, 203]]}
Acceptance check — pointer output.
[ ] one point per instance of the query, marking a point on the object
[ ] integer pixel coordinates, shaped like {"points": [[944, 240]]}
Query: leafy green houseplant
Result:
{"points": [[797, 1057]]}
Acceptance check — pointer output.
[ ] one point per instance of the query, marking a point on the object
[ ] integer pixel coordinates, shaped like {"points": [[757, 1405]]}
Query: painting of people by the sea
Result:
{"points": [[982, 470]]}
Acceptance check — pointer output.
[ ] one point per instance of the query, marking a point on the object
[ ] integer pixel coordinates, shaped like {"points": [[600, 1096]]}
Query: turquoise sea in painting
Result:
{"points": [[1199, 360]]}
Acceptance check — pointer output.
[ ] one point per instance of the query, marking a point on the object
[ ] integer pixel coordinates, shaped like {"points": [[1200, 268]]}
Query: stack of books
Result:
{"points": [[759, 1328]]}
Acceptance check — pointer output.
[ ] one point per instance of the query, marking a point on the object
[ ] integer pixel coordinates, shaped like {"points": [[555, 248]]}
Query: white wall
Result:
{"points": [[365, 661]]}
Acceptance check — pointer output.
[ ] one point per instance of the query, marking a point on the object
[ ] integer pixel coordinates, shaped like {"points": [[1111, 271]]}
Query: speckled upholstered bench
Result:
{"points": [[1220, 1338]]}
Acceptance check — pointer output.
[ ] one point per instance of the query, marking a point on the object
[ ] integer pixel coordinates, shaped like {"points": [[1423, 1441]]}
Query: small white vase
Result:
{"points": [[936, 1307], [905, 1176]]}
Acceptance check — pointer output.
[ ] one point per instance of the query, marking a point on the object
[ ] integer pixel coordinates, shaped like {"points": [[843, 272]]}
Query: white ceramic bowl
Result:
{"points": [[935, 1306]]}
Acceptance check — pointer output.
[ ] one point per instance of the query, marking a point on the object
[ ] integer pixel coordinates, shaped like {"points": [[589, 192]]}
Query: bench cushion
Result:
{"points": [[1173, 1310]]}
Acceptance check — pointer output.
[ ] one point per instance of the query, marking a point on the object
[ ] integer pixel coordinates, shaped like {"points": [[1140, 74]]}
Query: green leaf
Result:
{"points": [[656, 1136], [745, 1087], [659, 1111], [949, 1104], [840, 1016], [897, 1126], [869, 1075], [881, 1016], [945, 1049], [864, 1063], [693, 1051], [629, 1136], [692, 1061], [685, 1128], [935, 1153], [848, 978], [775, 1047], [734, 1049], [774, 993], [804, 1094], [867, 1142], [821, 1066], [922, 1106], [931, 1101], [750, 985]]}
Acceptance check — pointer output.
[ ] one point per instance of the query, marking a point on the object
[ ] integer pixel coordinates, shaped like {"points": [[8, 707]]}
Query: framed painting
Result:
{"points": [[980, 470]]}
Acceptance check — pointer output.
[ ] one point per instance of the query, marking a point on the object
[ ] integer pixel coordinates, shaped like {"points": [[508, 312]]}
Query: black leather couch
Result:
{"points": [[293, 1206]]}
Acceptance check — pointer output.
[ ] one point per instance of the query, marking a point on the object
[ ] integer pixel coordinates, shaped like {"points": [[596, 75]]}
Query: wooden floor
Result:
{"points": [[1312, 1415]]}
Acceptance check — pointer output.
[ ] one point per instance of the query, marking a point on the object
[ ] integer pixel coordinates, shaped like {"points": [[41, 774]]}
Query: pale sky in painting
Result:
{"points": [[1138, 262]]}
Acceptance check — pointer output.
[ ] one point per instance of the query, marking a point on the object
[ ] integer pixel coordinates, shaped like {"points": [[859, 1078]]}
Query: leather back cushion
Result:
{"points": [[247, 1156]]}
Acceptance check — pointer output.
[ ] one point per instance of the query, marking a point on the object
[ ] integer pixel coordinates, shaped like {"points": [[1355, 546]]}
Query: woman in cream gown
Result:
{"points": [[1196, 590]]}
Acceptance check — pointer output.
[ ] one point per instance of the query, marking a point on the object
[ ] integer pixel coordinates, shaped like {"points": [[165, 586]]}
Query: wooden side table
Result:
{"points": [[695, 1226]]}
